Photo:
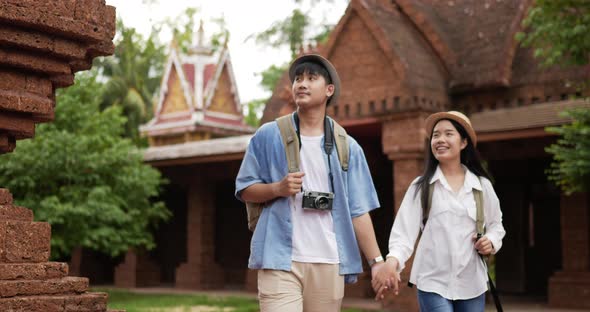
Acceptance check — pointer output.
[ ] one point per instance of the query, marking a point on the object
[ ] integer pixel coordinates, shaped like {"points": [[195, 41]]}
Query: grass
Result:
{"points": [[135, 302]]}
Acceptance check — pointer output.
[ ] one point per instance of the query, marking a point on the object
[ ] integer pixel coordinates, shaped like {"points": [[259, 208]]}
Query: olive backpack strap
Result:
{"points": [[291, 145], [290, 142], [341, 145], [480, 229]]}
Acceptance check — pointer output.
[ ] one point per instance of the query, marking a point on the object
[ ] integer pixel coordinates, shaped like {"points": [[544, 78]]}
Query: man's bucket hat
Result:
{"points": [[318, 59]]}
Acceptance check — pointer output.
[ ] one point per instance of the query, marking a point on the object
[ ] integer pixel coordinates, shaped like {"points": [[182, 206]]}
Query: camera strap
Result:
{"points": [[328, 142]]}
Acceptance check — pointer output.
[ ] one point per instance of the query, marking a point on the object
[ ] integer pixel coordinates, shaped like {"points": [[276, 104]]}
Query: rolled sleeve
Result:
{"points": [[362, 196], [251, 169]]}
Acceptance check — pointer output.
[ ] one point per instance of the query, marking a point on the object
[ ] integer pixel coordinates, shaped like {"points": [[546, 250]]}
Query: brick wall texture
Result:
{"points": [[42, 45]]}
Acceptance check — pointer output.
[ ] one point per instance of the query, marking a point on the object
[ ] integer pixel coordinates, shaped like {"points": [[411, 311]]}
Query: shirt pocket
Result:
{"points": [[439, 205]]}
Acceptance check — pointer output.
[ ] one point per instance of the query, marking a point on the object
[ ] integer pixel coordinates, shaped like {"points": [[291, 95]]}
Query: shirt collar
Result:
{"points": [[471, 180]]}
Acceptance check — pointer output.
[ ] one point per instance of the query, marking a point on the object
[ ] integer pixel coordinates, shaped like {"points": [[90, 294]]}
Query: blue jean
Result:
{"points": [[433, 302]]}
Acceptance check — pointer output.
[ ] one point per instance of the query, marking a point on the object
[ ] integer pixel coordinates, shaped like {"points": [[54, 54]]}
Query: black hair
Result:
{"points": [[469, 157], [313, 68]]}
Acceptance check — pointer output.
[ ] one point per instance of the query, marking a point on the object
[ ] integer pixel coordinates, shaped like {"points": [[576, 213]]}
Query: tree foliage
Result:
{"points": [[254, 110], [289, 31], [558, 31], [571, 167], [82, 177], [133, 76]]}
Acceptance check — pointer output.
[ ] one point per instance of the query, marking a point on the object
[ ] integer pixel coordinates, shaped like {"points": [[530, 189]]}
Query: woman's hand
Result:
{"points": [[483, 245], [385, 277]]}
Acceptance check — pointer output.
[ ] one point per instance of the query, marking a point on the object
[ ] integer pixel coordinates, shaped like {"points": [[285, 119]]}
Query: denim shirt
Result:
{"points": [[354, 195]]}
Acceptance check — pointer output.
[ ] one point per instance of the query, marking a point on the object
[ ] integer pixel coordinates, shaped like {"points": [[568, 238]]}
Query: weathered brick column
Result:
{"points": [[403, 141], [570, 287], [42, 45], [200, 271], [137, 271]]}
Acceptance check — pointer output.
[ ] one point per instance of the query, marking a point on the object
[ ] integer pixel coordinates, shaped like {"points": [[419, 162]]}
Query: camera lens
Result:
{"points": [[322, 202]]}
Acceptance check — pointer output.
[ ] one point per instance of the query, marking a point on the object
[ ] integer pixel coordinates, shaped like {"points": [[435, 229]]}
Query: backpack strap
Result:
{"points": [[479, 216], [341, 139], [290, 142]]}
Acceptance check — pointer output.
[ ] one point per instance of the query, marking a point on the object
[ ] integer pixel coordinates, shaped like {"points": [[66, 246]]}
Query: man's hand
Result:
{"points": [[289, 185], [385, 277], [483, 245]]}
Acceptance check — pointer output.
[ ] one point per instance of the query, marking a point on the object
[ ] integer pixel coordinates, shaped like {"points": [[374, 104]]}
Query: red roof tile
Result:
{"points": [[208, 74], [189, 74]]}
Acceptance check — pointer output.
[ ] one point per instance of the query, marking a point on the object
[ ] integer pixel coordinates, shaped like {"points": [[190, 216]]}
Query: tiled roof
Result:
{"points": [[189, 74], [408, 44], [213, 147], [208, 74], [526, 117], [480, 33]]}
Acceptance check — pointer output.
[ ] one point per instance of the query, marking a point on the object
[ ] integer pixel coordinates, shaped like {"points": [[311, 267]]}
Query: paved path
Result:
{"points": [[510, 304]]}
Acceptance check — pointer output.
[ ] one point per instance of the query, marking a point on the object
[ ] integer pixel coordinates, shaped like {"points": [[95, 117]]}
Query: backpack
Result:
{"points": [[291, 145]]}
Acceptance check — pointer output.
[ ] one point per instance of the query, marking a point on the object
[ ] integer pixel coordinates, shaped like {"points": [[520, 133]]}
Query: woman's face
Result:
{"points": [[446, 142]]}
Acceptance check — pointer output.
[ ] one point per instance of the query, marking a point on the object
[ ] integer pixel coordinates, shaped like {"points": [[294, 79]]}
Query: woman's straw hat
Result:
{"points": [[452, 115]]}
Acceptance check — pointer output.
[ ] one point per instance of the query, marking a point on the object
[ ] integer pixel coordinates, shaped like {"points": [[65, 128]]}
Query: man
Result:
{"points": [[304, 254]]}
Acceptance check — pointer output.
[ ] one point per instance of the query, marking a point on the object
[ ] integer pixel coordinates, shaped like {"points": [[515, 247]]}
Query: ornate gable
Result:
{"points": [[174, 100], [223, 100], [198, 98]]}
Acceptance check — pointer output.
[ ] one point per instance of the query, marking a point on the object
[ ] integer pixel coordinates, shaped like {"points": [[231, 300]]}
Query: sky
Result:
{"points": [[243, 19]]}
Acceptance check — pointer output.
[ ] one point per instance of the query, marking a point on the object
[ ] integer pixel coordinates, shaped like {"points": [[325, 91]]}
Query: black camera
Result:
{"points": [[317, 200]]}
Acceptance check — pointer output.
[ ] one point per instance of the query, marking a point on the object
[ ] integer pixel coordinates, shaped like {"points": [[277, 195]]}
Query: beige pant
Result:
{"points": [[308, 287]]}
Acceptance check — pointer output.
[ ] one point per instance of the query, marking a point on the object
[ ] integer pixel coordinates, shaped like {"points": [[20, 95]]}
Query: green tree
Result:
{"points": [[271, 76], [133, 76], [82, 177], [291, 32], [571, 167], [559, 33], [254, 110]]}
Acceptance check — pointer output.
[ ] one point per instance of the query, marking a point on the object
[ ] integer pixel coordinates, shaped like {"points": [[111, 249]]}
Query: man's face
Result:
{"points": [[310, 90]]}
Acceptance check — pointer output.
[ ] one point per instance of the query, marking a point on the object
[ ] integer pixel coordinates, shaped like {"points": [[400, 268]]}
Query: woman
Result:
{"points": [[447, 270]]}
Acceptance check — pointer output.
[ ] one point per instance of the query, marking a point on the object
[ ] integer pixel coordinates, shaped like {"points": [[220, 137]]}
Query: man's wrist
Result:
{"points": [[375, 260]]}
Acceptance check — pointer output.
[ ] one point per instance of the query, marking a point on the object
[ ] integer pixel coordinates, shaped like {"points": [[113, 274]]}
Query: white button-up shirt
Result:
{"points": [[446, 261]]}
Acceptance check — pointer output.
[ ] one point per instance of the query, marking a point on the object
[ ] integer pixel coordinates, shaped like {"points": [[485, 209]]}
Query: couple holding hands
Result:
{"points": [[306, 242]]}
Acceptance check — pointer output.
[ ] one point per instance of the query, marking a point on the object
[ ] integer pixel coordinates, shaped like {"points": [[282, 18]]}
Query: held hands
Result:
{"points": [[483, 245], [289, 185], [385, 277]]}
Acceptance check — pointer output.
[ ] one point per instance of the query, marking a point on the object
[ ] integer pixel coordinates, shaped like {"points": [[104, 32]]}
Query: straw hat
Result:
{"points": [[452, 115], [318, 59]]}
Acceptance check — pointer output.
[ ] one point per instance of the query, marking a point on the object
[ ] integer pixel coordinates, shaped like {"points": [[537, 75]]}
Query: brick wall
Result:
{"points": [[42, 45], [571, 286], [200, 271]]}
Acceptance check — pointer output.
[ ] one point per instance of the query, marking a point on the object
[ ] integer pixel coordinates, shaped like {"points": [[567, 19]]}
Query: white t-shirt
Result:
{"points": [[314, 240]]}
